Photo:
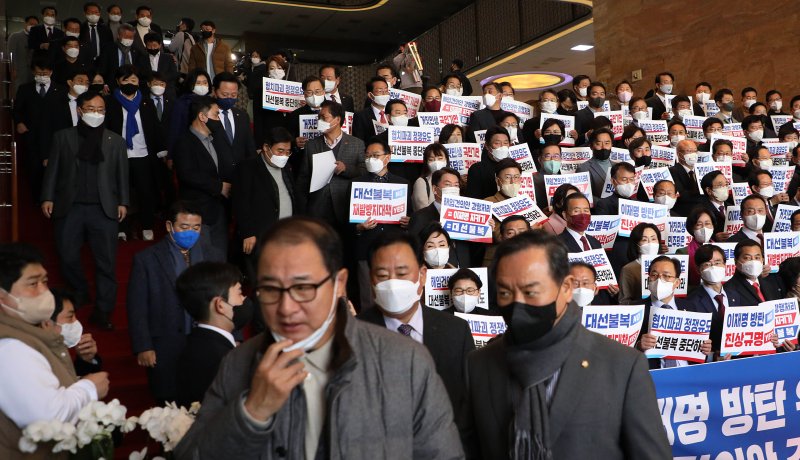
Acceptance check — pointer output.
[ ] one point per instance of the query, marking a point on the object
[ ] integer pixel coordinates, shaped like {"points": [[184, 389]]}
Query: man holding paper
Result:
{"points": [[748, 286]]}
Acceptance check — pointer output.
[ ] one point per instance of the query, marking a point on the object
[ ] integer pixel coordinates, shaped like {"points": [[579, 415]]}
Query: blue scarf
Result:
{"points": [[131, 128]]}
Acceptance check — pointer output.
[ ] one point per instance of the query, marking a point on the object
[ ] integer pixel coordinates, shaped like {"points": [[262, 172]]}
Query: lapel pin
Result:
{"points": [[584, 364]]}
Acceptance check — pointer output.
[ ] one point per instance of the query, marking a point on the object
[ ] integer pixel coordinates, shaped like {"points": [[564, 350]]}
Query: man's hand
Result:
{"points": [[404, 221], [666, 116], [101, 383], [44, 162], [44, 46], [226, 189], [47, 208], [122, 211], [647, 342], [706, 347], [369, 224], [782, 197], [721, 236], [613, 289], [86, 348], [301, 142], [340, 167], [248, 244], [146, 358], [275, 378], [21, 128]]}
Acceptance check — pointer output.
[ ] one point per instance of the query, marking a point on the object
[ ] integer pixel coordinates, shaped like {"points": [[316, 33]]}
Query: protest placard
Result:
{"points": [[733, 129], [694, 128], [779, 120], [787, 319], [579, 180], [779, 246], [412, 100], [466, 219], [437, 295], [483, 327], [679, 334], [684, 276], [619, 155], [677, 237], [701, 169], [408, 143], [463, 106], [463, 155], [568, 120], [347, 124], [379, 127], [730, 261], [598, 259], [308, 126], [437, 121], [656, 131], [733, 219], [609, 188], [520, 109], [748, 330], [617, 322], [780, 152], [522, 155], [632, 213], [604, 229], [480, 137], [651, 176], [783, 218], [281, 95], [739, 146], [616, 121], [386, 203], [521, 205], [662, 156], [572, 157], [583, 104], [526, 186], [739, 190], [781, 177]]}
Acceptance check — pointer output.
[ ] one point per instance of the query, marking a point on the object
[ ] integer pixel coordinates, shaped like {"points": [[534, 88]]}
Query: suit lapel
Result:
{"points": [[165, 261], [571, 382], [430, 331]]}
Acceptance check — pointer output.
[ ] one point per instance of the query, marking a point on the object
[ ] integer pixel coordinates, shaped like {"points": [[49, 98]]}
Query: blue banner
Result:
{"points": [[739, 409]]}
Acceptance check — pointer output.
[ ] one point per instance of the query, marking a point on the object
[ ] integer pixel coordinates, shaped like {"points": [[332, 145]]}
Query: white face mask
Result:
{"points": [[200, 90], [582, 296], [80, 89], [399, 120], [624, 96], [756, 135], [510, 190], [315, 101], [749, 102], [157, 90], [72, 52], [455, 191], [279, 161], [666, 89], [49, 20], [72, 333], [753, 268], [126, 42], [374, 165], [454, 139], [311, 341], [673, 141], [323, 126], [436, 165], [724, 159], [465, 303], [489, 99], [690, 159], [115, 17], [437, 257], [796, 114], [72, 34], [42, 79], [776, 105], [93, 18], [277, 74], [454, 91], [641, 115], [767, 192], [145, 21], [649, 249], [703, 235], [755, 222], [396, 296], [583, 91], [255, 61], [660, 289], [549, 106], [33, 310], [500, 153], [665, 200], [702, 98], [512, 134], [380, 99], [329, 85], [713, 275], [685, 113], [625, 190], [93, 119], [720, 193], [765, 164]]}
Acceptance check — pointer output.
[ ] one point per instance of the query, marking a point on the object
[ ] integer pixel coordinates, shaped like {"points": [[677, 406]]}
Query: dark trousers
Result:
{"points": [[163, 378], [144, 192], [88, 222]]}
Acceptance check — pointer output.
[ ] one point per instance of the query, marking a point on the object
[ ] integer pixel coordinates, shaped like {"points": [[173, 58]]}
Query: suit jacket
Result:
{"points": [[168, 105], [719, 219], [220, 57], [337, 192], [104, 37], [608, 206], [362, 124], [347, 102], [150, 125], [459, 251], [655, 363], [583, 119], [152, 303], [63, 69], [688, 189], [166, 67], [699, 301], [109, 61], [293, 119], [481, 180], [572, 245], [657, 105], [243, 145], [38, 35], [138, 41], [254, 194], [616, 376], [60, 177], [199, 362], [32, 109], [743, 294], [480, 120], [740, 236], [597, 175], [449, 340]]}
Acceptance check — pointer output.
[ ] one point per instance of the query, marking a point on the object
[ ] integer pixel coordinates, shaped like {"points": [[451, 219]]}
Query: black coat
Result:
{"points": [[198, 364], [742, 294], [109, 62], [38, 35], [688, 189], [150, 124], [700, 302], [719, 219], [243, 145], [362, 124], [572, 245], [254, 194], [32, 109], [138, 43], [166, 67], [481, 182], [104, 37], [657, 105]]}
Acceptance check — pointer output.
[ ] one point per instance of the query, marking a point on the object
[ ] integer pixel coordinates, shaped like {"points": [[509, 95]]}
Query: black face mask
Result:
{"points": [[602, 154], [643, 160], [214, 125], [128, 89], [596, 102], [206, 34], [96, 87], [552, 138], [241, 316], [153, 52], [528, 323]]}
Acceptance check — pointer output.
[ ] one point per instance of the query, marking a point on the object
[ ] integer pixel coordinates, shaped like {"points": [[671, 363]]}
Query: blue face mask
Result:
{"points": [[226, 103], [186, 239]]}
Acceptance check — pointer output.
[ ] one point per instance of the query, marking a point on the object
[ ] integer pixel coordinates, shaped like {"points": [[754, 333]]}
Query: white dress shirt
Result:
{"points": [[713, 294], [415, 322], [154, 61], [73, 109], [751, 234], [671, 306], [221, 332], [31, 392], [139, 149]]}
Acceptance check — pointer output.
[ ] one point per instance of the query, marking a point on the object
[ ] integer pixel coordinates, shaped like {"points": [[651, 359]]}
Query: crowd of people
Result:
{"points": [[258, 299]]}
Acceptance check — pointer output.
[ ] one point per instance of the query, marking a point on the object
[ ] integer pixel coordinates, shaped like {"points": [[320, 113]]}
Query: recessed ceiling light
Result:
{"points": [[582, 47]]}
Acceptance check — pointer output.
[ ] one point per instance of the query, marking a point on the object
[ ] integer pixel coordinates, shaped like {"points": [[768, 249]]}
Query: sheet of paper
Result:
{"points": [[322, 168]]}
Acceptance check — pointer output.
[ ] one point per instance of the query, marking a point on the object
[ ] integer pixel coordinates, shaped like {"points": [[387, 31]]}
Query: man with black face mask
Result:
{"points": [[236, 135], [211, 292], [583, 118], [156, 61], [548, 381], [210, 54], [600, 141]]}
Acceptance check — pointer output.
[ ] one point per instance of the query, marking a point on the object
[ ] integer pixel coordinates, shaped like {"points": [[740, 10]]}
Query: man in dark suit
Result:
{"points": [[94, 34], [262, 192], [86, 193], [236, 135], [364, 121], [332, 202], [397, 115], [546, 358], [64, 113], [490, 115], [623, 179], [664, 84], [683, 174], [752, 283], [753, 210], [156, 60], [314, 93], [70, 58], [712, 295], [161, 105], [204, 173], [143, 25], [714, 185], [600, 141], [578, 215], [398, 276], [331, 77], [117, 54], [481, 181], [583, 118], [46, 36], [211, 292], [157, 324]]}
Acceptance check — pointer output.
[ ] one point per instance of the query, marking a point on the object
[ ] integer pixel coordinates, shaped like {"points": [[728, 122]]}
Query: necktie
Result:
{"points": [[720, 305], [188, 321], [127, 57], [722, 209], [333, 98], [42, 90], [186, 258], [383, 118], [760, 239], [693, 178], [228, 127], [93, 39], [159, 108], [758, 291], [405, 329], [585, 242], [49, 33]]}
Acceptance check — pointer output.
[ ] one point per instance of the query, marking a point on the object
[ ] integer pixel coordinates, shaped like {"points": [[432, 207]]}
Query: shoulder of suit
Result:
{"points": [[443, 318], [608, 350]]}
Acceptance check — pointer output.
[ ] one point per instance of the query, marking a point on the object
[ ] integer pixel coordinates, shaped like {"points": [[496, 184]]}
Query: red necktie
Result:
{"points": [[758, 291], [760, 239], [585, 242], [720, 305], [383, 118]]}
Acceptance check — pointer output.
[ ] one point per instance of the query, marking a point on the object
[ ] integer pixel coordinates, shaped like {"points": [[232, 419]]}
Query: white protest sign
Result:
{"points": [[733, 129], [522, 155], [694, 128], [787, 318], [308, 126], [748, 330], [783, 218], [677, 236], [412, 100], [684, 276], [521, 205], [661, 156], [650, 177], [437, 121], [483, 327], [526, 186], [779, 247], [322, 166], [780, 152], [616, 121], [781, 176], [598, 259], [701, 169], [604, 229], [733, 219], [437, 295], [572, 157], [617, 322], [656, 131], [579, 180], [520, 109], [383, 202], [463, 106], [632, 213], [480, 136], [463, 155], [609, 188], [740, 191], [779, 120], [739, 146], [711, 108], [730, 261], [466, 219], [347, 125], [281, 95], [408, 143], [583, 104], [619, 155], [568, 120], [679, 334], [379, 127]]}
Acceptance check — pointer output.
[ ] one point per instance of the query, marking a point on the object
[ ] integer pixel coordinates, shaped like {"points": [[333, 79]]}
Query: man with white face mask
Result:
{"points": [[756, 220], [144, 25], [753, 129], [314, 94], [65, 322], [465, 292], [491, 114], [397, 115], [623, 179], [752, 283], [481, 180], [584, 284], [39, 380], [683, 174], [760, 182], [712, 295], [94, 34], [364, 121], [663, 280], [42, 36], [331, 77], [665, 82], [119, 53], [508, 177], [398, 279]]}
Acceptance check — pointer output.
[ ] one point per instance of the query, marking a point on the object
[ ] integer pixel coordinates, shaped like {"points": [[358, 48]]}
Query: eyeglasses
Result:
{"points": [[468, 291], [432, 98], [375, 155], [663, 277], [93, 110], [303, 292], [711, 263], [584, 284]]}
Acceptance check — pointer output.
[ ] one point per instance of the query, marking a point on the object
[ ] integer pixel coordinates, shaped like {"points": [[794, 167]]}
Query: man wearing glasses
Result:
{"points": [[319, 383]]}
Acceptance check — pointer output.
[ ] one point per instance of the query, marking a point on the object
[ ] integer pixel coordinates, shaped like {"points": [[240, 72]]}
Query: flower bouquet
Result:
{"points": [[168, 424]]}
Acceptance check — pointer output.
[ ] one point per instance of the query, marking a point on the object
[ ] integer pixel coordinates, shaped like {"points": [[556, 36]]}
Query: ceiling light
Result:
{"points": [[582, 47]]}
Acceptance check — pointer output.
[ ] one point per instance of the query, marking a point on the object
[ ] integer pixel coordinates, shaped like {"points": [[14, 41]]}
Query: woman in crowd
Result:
{"points": [[437, 248], [647, 239], [434, 158], [700, 224]]}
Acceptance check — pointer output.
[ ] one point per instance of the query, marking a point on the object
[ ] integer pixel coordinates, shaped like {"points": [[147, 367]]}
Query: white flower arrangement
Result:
{"points": [[168, 424]]}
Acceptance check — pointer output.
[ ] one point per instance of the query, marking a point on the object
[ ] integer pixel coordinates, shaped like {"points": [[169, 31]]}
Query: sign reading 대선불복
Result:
{"points": [[604, 229], [408, 143], [385, 203], [779, 246], [621, 323]]}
